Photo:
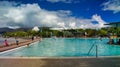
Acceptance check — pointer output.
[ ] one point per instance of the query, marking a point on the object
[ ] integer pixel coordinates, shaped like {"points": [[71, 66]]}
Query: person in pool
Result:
{"points": [[118, 42], [111, 41]]}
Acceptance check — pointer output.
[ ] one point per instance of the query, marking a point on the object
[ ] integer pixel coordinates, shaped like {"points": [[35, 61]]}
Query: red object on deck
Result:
{"points": [[6, 43]]}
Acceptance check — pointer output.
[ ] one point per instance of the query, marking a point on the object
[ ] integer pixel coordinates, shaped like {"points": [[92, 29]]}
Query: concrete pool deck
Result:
{"points": [[59, 62], [4, 48]]}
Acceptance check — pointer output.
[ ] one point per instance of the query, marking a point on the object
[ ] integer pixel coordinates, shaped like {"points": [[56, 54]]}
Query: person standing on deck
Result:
{"points": [[32, 38], [6, 42], [17, 42]]}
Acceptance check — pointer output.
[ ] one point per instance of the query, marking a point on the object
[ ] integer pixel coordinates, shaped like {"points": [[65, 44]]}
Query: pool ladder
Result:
{"points": [[94, 44]]}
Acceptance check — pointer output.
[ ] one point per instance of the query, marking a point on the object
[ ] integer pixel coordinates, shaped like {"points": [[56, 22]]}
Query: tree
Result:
{"points": [[102, 32]]}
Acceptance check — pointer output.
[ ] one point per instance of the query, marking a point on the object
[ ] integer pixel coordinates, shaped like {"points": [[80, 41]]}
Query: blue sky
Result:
{"points": [[59, 13]]}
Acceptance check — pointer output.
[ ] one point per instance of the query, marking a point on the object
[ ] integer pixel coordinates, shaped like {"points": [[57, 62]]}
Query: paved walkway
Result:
{"points": [[15, 46], [58, 62]]}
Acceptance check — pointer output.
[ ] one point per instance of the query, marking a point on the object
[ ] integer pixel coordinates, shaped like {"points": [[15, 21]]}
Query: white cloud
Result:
{"points": [[30, 15], [112, 5], [72, 24], [99, 20], [35, 28]]}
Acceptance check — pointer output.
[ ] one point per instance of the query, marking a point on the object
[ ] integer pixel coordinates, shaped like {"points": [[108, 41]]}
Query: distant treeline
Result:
{"points": [[47, 32]]}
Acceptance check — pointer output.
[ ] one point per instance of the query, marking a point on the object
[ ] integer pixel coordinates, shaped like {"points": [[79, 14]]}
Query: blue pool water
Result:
{"points": [[66, 47]]}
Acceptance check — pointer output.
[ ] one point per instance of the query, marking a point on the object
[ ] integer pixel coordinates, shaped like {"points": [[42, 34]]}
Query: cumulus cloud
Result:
{"points": [[35, 28], [112, 5], [99, 20], [30, 15], [72, 25]]}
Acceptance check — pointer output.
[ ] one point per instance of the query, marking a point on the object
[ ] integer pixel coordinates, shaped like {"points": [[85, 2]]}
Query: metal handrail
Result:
{"points": [[92, 48], [96, 51]]}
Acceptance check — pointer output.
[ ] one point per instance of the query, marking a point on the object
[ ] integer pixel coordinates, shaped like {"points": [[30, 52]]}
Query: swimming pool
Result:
{"points": [[66, 47]]}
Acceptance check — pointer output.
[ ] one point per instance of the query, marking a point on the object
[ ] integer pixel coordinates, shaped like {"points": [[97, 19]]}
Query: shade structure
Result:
{"points": [[114, 24]]}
